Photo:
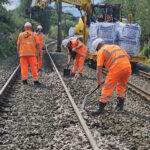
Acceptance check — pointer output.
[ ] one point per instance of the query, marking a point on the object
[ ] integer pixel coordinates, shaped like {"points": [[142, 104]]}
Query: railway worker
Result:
{"points": [[78, 51], [28, 45], [42, 42], [116, 61]]}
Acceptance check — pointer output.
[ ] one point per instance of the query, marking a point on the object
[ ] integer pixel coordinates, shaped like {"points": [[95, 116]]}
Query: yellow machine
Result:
{"points": [[101, 12]]}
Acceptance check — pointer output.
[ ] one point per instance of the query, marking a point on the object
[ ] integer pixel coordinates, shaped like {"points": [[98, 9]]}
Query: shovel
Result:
{"points": [[66, 72], [86, 96]]}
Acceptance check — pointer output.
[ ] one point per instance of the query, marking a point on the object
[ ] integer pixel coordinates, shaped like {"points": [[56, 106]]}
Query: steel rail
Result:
{"points": [[9, 81], [137, 89], [144, 74], [78, 114]]}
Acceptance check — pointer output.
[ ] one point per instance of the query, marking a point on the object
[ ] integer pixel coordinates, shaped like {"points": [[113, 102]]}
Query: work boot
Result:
{"points": [[100, 109], [37, 83], [40, 69], [72, 75], [120, 103], [80, 75], [25, 82]]}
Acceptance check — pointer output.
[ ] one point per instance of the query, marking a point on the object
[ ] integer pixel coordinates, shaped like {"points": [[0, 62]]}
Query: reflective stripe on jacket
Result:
{"points": [[111, 54], [27, 44], [82, 50], [41, 38]]}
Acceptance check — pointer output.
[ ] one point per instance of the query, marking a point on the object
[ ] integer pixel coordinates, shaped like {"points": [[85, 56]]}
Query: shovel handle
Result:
{"points": [[95, 89], [69, 63]]}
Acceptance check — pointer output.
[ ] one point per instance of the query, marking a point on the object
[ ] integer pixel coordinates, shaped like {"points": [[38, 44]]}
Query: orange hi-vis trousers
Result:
{"points": [[78, 64], [25, 61], [40, 59], [115, 78]]}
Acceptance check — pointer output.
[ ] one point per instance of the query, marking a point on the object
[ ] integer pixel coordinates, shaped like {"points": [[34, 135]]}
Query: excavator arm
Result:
{"points": [[81, 4], [84, 5]]}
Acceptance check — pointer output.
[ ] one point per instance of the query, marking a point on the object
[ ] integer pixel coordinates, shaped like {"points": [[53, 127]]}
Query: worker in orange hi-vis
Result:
{"points": [[28, 45], [116, 61], [42, 42], [78, 51]]}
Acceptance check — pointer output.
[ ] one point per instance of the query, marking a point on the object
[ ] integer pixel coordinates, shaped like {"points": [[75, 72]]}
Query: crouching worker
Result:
{"points": [[28, 45], [116, 61], [77, 50]]}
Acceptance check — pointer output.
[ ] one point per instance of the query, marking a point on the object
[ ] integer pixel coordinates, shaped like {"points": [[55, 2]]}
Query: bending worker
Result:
{"points": [[28, 45], [42, 42], [78, 51], [116, 61]]}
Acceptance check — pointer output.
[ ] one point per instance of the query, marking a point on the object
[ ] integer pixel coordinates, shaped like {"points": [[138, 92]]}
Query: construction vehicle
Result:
{"points": [[93, 12]]}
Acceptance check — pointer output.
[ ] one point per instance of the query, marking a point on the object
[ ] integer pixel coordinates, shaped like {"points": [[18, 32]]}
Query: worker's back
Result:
{"points": [[27, 43], [82, 50], [114, 57]]}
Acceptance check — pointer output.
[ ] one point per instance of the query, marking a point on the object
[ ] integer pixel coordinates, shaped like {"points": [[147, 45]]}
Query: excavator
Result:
{"points": [[92, 12]]}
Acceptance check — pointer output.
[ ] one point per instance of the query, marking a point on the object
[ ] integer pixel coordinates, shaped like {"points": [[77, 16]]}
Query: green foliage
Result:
{"points": [[146, 51], [3, 2], [7, 26], [43, 17], [12, 22], [68, 20]]}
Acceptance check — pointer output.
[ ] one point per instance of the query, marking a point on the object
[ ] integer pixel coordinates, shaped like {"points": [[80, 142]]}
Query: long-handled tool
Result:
{"points": [[86, 97]]}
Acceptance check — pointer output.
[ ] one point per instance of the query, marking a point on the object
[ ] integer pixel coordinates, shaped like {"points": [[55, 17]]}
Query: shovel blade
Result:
{"points": [[84, 101], [66, 72]]}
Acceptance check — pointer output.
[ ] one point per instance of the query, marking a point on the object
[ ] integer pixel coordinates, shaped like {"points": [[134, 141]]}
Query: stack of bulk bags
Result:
{"points": [[71, 31], [93, 34], [107, 31], [128, 37]]}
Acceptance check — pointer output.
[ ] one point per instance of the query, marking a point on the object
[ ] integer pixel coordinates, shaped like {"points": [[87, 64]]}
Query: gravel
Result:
{"points": [[41, 117], [142, 82], [129, 129], [7, 66]]}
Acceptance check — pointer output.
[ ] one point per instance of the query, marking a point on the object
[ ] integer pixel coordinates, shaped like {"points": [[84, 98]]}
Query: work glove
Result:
{"points": [[99, 84]]}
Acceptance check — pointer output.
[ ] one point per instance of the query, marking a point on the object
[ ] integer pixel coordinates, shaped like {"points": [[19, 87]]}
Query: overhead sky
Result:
{"points": [[14, 3]]}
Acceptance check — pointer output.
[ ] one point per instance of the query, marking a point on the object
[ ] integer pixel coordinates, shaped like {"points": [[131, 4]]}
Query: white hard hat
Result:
{"points": [[73, 38], [96, 43], [65, 42], [27, 24], [39, 27]]}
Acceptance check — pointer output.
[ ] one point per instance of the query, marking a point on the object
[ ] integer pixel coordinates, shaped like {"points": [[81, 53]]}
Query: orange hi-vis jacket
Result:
{"points": [[41, 38], [82, 50], [27, 43], [112, 56]]}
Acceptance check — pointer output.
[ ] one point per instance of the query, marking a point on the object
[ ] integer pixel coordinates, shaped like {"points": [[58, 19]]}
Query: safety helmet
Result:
{"points": [[65, 42], [96, 43], [27, 24], [39, 27], [74, 41]]}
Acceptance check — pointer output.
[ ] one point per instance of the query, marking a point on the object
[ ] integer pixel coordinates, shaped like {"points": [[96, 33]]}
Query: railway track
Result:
{"points": [[78, 114], [31, 114], [126, 126], [28, 115], [144, 74]]}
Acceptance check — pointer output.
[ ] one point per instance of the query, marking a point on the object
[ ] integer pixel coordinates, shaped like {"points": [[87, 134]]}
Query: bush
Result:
{"points": [[146, 51], [8, 45]]}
